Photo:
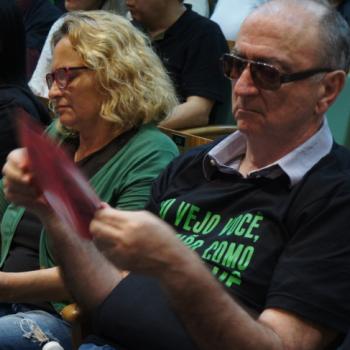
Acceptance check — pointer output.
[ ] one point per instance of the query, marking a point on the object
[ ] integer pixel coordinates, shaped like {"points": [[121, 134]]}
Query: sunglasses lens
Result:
{"points": [[232, 66], [265, 76]]}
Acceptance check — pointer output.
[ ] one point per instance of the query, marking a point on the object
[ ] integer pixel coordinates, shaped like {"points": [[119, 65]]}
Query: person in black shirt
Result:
{"points": [[253, 249], [14, 91], [38, 17], [190, 47]]}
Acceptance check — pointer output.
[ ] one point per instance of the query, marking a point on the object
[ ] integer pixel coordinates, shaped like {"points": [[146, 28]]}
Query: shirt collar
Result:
{"points": [[226, 156]]}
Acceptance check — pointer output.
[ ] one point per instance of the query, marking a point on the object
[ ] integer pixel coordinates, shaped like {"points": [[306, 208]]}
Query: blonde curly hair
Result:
{"points": [[130, 75]]}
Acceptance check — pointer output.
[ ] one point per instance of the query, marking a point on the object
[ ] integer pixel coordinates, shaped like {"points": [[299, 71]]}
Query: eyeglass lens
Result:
{"points": [[263, 75], [60, 76]]}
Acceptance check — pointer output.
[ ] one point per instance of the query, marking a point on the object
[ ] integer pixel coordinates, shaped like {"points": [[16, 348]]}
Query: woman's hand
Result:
{"points": [[19, 184]]}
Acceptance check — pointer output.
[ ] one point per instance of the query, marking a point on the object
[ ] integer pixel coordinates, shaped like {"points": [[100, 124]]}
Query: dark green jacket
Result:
{"points": [[123, 182]]}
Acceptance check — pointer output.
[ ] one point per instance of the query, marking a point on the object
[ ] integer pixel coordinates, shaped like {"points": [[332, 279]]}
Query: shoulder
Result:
{"points": [[13, 96], [326, 185], [199, 25], [333, 168]]}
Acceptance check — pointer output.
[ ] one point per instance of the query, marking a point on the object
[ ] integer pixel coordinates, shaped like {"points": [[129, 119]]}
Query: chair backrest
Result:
{"points": [[211, 131], [184, 141]]}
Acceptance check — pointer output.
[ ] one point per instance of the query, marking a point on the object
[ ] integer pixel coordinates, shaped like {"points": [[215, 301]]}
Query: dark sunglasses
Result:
{"points": [[265, 76], [62, 76]]}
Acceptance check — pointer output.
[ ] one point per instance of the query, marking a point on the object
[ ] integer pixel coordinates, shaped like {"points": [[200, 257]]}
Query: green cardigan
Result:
{"points": [[123, 182]]}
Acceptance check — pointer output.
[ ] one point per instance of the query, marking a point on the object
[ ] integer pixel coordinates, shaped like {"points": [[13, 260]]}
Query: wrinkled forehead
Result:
{"points": [[290, 36]]}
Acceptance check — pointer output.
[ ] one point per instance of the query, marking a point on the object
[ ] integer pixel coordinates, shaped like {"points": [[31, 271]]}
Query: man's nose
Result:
{"points": [[244, 85]]}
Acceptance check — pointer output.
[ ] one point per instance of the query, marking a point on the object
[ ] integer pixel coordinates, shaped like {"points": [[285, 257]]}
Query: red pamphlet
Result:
{"points": [[64, 187]]}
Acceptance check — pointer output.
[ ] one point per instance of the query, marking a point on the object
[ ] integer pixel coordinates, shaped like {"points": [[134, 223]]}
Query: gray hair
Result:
{"points": [[334, 31]]}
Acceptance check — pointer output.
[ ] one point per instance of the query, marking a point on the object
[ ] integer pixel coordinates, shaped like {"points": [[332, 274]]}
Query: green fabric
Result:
{"points": [[123, 182], [339, 116]]}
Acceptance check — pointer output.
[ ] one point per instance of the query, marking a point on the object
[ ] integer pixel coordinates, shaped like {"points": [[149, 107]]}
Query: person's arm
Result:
{"points": [[90, 276], [190, 114], [27, 287], [140, 242]]}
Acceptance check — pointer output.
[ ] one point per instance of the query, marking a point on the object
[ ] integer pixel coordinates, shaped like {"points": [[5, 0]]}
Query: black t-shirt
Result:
{"points": [[269, 244], [190, 50]]}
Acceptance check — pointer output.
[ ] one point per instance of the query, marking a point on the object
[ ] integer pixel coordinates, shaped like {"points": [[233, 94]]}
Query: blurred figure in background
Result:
{"points": [[38, 16], [109, 90], [190, 47], [37, 82], [14, 92], [229, 15]]}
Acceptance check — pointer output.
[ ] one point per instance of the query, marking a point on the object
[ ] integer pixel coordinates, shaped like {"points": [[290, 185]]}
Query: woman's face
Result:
{"points": [[78, 103], [86, 5]]}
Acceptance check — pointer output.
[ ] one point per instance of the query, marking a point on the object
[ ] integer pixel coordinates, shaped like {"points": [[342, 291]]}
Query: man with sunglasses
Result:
{"points": [[255, 250]]}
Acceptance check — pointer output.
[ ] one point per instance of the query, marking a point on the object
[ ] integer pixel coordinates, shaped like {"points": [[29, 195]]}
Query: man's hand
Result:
{"points": [[137, 241], [19, 185]]}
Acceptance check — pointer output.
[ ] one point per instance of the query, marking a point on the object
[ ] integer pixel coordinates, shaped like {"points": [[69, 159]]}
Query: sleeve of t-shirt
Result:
{"points": [[202, 74], [312, 278], [136, 315]]}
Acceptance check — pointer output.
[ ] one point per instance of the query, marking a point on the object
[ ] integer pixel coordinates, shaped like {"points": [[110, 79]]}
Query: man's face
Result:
{"points": [[74, 5], [291, 108], [143, 11]]}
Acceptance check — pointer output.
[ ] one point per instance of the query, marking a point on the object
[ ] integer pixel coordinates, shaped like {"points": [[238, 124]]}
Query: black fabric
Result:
{"points": [[13, 98], [270, 245], [38, 17], [95, 161], [136, 316], [24, 253], [190, 50]]}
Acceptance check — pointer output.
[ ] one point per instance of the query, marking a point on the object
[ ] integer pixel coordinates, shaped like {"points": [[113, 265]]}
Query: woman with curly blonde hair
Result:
{"points": [[109, 91]]}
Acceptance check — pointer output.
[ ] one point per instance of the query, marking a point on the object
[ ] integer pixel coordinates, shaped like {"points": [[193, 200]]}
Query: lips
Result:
{"points": [[62, 107], [240, 110]]}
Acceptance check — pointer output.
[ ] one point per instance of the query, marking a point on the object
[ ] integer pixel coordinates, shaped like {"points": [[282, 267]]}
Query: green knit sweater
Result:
{"points": [[123, 182]]}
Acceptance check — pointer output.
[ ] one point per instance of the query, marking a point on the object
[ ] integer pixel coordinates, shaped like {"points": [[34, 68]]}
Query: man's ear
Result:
{"points": [[332, 84]]}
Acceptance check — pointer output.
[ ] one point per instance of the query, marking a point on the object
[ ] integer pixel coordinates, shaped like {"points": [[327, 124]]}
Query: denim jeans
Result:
{"points": [[27, 329], [90, 346]]}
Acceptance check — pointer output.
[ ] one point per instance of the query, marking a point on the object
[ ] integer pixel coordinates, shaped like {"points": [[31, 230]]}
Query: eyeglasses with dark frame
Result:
{"points": [[62, 76], [265, 76]]}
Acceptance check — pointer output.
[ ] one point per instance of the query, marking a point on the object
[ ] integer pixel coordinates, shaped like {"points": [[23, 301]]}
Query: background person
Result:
{"points": [[14, 91], [109, 89], [37, 82], [38, 16], [190, 47]]}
